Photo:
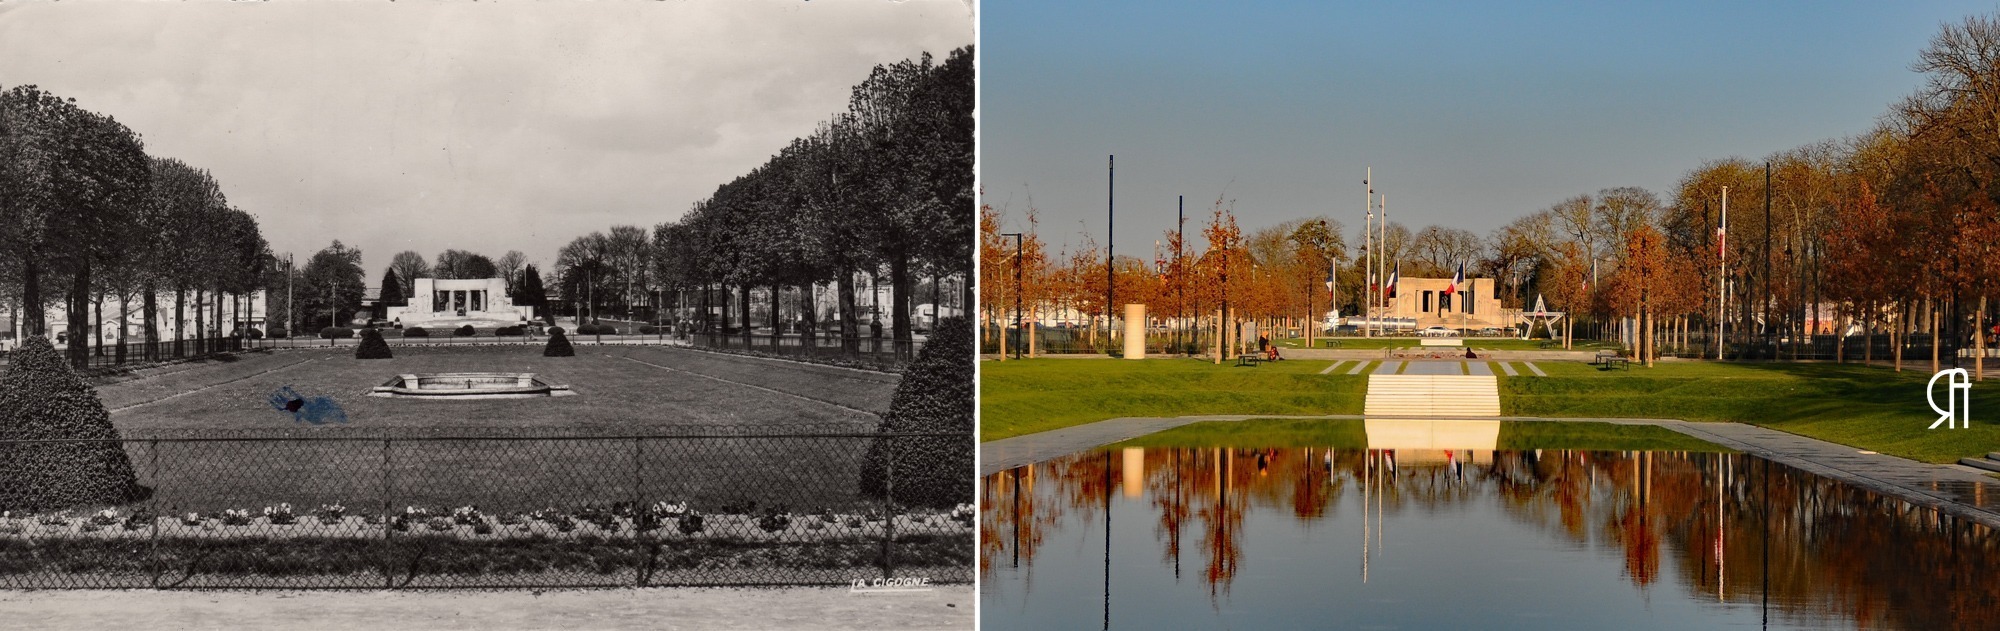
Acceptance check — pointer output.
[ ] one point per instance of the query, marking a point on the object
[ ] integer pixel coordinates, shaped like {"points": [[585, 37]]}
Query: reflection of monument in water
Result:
{"points": [[458, 301]]}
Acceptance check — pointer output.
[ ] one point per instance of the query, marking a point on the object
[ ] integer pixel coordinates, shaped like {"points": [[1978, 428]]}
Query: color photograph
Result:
{"points": [[1651, 316]]}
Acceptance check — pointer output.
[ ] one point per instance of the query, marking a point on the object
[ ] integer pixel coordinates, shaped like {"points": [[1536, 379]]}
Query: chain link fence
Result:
{"points": [[503, 508]]}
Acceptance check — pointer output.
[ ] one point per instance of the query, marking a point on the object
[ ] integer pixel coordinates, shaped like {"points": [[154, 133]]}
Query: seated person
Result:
{"points": [[1471, 355], [1271, 353]]}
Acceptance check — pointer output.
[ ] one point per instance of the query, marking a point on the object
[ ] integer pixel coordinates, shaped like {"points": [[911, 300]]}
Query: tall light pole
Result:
{"points": [[1180, 283], [1018, 261], [1722, 274], [1110, 254], [288, 295], [1368, 256]]}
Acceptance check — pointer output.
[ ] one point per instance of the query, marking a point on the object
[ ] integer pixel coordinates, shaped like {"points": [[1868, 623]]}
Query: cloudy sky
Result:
{"points": [[1471, 113], [485, 126]]}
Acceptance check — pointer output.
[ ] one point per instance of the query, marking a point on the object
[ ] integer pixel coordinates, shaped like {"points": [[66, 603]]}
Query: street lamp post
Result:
{"points": [[1017, 298]]}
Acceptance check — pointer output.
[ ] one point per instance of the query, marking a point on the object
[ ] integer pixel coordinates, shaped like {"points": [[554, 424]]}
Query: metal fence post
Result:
{"points": [[388, 577], [154, 502], [638, 499], [889, 510]]}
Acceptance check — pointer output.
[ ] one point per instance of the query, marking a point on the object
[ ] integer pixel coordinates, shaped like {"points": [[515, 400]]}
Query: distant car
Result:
{"points": [[1436, 331]]}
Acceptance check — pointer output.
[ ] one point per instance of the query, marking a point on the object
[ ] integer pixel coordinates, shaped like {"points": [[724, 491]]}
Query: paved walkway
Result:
{"points": [[1953, 489]]}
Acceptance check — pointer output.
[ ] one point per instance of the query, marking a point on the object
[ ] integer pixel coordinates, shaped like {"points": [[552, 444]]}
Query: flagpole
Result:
{"points": [[1384, 242], [1368, 256], [1722, 275]]}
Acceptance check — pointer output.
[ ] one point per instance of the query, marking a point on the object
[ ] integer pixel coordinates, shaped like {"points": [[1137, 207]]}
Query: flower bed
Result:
{"points": [[660, 544]]}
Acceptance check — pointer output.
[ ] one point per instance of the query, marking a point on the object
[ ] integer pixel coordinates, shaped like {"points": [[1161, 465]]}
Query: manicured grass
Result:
{"points": [[622, 391], [1868, 408], [1034, 395]]}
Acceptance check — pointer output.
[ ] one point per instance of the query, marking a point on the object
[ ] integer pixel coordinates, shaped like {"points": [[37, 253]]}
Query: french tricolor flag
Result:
{"points": [[1395, 277], [1457, 278]]}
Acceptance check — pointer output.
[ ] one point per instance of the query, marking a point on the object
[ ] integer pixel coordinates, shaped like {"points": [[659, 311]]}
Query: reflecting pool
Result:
{"points": [[1342, 537]]}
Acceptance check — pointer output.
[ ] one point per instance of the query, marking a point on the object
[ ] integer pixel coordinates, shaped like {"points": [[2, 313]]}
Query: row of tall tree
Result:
{"points": [[884, 188], [87, 217]]}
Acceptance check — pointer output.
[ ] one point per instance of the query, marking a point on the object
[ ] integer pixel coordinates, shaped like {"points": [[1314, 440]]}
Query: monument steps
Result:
{"points": [[1438, 396]]}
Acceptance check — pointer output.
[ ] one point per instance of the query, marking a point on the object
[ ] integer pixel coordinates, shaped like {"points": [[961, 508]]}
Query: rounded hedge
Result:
{"points": [[464, 331], [555, 330], [516, 330], [416, 331], [558, 345], [935, 396], [648, 329], [372, 346], [336, 332], [278, 333], [253, 333], [588, 329], [41, 398]]}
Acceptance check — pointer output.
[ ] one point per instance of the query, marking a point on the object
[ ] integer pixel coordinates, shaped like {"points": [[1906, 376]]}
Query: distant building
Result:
{"points": [[456, 300], [1473, 306]]}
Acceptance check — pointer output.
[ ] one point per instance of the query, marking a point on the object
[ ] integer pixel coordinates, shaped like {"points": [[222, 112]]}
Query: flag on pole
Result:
{"points": [[1457, 278], [1329, 279], [1721, 241], [1395, 277]]}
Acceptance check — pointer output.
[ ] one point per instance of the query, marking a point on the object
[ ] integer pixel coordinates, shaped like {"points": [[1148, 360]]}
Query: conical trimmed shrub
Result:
{"points": [[935, 396], [558, 345], [41, 398], [372, 346]]}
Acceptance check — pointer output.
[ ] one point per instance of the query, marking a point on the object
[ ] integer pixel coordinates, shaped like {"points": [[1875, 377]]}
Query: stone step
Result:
{"points": [[1993, 455], [1439, 396], [1982, 463]]}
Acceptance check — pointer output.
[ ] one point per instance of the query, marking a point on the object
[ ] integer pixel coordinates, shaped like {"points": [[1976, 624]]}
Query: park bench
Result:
{"points": [[1249, 359], [1609, 359]]}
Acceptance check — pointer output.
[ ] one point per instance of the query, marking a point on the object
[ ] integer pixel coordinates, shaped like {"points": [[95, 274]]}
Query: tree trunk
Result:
{"points": [[1979, 341], [1218, 337], [850, 340], [97, 323], [1868, 335], [808, 318], [79, 317], [1931, 314], [1896, 334], [744, 301], [899, 301], [180, 321], [777, 332], [151, 317], [124, 324], [34, 318]]}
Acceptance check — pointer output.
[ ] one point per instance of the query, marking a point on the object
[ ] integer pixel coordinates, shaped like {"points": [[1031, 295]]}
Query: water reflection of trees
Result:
{"points": [[1696, 520]]}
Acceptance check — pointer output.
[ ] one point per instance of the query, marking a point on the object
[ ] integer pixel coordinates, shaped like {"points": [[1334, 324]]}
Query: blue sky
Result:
{"points": [[1471, 114]]}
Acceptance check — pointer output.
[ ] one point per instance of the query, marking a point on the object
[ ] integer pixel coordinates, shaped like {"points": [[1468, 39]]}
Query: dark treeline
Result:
{"points": [[883, 188], [86, 216]]}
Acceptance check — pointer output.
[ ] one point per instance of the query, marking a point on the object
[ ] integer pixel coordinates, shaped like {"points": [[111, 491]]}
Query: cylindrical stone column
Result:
{"points": [[1135, 331]]}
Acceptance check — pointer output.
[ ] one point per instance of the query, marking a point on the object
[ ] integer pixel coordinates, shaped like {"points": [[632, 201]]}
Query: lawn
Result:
{"points": [[621, 391], [1034, 395], [1869, 408]]}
